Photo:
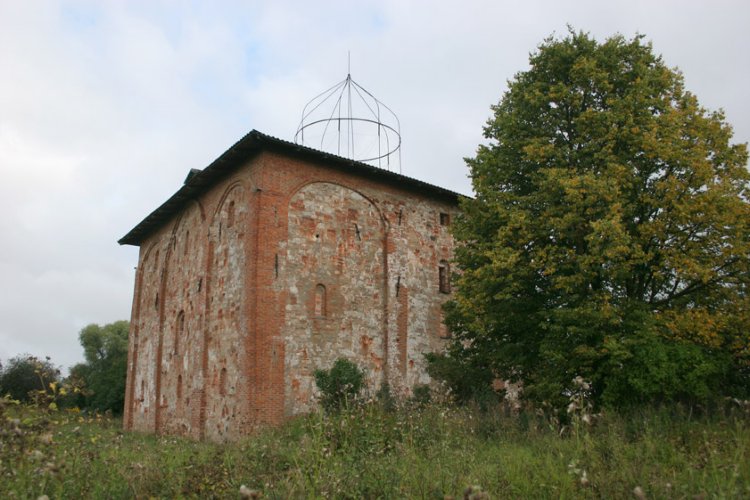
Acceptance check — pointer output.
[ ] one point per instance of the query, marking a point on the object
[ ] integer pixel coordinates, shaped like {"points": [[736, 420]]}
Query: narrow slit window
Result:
{"points": [[187, 243], [444, 277], [320, 301], [179, 386], [230, 214], [179, 331], [223, 382]]}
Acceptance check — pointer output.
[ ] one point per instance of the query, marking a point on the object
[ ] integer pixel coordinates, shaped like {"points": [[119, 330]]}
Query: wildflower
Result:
{"points": [[475, 493], [584, 479], [638, 492], [246, 492], [586, 418]]}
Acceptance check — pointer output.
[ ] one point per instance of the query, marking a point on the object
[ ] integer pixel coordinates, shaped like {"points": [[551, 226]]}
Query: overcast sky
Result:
{"points": [[105, 106]]}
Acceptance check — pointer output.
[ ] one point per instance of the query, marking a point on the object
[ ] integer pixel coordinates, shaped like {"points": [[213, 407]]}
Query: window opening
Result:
{"points": [[444, 277], [223, 382], [179, 386], [179, 330], [230, 214], [187, 243], [445, 219], [320, 301]]}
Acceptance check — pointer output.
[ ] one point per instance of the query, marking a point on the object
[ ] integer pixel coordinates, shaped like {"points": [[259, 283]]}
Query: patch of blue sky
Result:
{"points": [[217, 94], [253, 64], [377, 21], [80, 16]]}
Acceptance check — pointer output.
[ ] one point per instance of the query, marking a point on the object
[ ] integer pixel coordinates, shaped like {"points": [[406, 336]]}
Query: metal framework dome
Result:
{"points": [[349, 121]]}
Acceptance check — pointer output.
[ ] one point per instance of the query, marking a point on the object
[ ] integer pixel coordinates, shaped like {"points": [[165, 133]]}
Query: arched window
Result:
{"points": [[444, 277], [320, 301]]}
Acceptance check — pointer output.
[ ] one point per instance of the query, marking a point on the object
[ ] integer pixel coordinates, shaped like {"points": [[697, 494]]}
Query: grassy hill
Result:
{"points": [[437, 451]]}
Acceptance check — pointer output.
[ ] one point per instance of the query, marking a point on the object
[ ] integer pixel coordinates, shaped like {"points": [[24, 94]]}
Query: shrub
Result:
{"points": [[469, 381], [340, 385], [421, 395], [25, 375]]}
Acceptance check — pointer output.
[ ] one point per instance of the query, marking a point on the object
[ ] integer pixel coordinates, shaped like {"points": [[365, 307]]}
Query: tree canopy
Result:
{"points": [[610, 233], [24, 375], [104, 372]]}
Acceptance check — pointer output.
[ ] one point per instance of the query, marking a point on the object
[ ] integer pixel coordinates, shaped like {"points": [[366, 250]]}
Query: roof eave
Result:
{"points": [[246, 148]]}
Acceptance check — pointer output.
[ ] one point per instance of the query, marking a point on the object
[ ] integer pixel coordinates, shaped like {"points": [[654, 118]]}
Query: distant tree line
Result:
{"points": [[96, 384]]}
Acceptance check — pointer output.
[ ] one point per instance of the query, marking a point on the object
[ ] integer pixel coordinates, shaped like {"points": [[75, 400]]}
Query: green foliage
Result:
{"points": [[385, 397], [610, 234], [340, 385], [467, 380], [104, 372], [644, 368], [25, 375], [421, 395]]}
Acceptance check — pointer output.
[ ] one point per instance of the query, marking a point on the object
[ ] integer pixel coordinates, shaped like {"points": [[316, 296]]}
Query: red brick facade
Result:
{"points": [[269, 264]]}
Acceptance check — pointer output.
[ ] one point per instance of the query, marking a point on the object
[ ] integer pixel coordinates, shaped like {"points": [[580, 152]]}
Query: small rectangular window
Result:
{"points": [[444, 279], [445, 219]]}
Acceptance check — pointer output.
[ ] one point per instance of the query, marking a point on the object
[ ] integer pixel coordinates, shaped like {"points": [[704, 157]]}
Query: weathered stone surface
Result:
{"points": [[273, 272]]}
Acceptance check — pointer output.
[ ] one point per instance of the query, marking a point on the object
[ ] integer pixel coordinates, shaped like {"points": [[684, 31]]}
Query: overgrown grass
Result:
{"points": [[366, 452]]}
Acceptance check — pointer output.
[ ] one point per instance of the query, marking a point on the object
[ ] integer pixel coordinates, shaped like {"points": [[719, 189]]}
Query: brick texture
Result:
{"points": [[272, 273]]}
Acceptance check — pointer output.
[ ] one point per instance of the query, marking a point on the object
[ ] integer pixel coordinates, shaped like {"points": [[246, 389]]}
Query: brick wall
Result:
{"points": [[272, 273]]}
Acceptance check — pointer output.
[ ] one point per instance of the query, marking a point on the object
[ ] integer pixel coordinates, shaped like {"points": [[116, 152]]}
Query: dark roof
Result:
{"points": [[199, 181]]}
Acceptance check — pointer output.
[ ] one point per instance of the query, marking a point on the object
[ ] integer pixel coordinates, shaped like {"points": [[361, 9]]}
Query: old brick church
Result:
{"points": [[270, 263]]}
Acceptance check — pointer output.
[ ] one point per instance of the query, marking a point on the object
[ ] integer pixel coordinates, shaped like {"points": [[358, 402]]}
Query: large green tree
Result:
{"points": [[609, 235], [103, 374]]}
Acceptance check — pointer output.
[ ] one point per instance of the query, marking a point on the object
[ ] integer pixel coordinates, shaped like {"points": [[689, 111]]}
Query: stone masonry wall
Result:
{"points": [[275, 272]]}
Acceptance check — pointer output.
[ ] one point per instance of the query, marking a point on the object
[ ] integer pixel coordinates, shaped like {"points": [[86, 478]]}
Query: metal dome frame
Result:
{"points": [[340, 98]]}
